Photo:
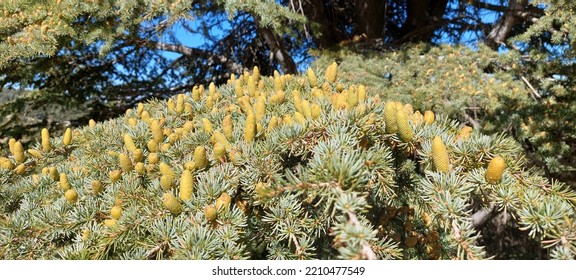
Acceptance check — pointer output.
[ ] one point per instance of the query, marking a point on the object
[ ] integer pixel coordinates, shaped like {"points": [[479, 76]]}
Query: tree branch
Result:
{"points": [[211, 58], [366, 251], [502, 29], [482, 216], [278, 51]]}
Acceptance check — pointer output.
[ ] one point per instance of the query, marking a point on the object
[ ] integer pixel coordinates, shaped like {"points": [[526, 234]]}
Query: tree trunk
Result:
{"points": [[324, 35], [371, 18], [423, 18], [502, 29], [279, 53]]}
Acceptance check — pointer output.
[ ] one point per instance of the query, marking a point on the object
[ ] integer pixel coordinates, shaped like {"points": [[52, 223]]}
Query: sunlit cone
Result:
{"points": [[186, 185], [297, 99], [207, 126], [245, 105], [166, 182], [115, 175], [315, 111], [390, 117], [227, 127], [146, 117], [140, 168], [299, 118], [157, 133], [96, 187], [464, 132], [153, 158], [18, 152], [171, 203], [278, 97], [272, 123], [238, 89], [165, 169], [6, 163], [428, 117], [170, 104], [311, 78], [111, 223], [196, 94], [125, 162], [306, 109], [67, 139], [189, 110], [250, 128], [200, 159], [129, 143], [221, 138], [46, 145], [361, 93], [91, 123], [64, 183], [180, 103], [152, 145], [495, 169], [417, 118], [219, 152], [132, 122], [210, 212], [20, 169], [404, 129], [11, 143], [54, 173], [278, 83], [260, 109], [71, 195], [140, 109], [116, 212], [440, 155], [332, 72], [35, 153], [223, 201], [138, 155], [352, 98], [251, 86]]}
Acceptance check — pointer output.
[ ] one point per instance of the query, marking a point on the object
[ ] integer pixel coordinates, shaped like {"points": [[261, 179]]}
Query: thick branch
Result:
{"points": [[502, 29], [482, 216], [277, 49], [211, 58], [529, 13]]}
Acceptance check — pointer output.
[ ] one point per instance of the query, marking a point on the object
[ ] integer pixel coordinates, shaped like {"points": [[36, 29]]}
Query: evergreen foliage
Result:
{"points": [[531, 98], [294, 182]]}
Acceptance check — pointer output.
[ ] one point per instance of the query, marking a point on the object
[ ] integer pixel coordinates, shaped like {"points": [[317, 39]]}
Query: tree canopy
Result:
{"points": [[106, 56]]}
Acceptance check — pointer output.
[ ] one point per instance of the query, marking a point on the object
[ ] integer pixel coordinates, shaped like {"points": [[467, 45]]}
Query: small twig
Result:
{"points": [[535, 94], [367, 252], [298, 249], [152, 252], [472, 121]]}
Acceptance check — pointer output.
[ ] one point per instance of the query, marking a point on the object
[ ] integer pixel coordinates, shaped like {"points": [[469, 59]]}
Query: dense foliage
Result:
{"points": [[283, 167]]}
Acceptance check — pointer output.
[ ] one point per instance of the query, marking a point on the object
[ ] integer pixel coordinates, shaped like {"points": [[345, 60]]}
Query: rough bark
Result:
{"points": [[371, 18], [503, 28], [278, 51]]}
